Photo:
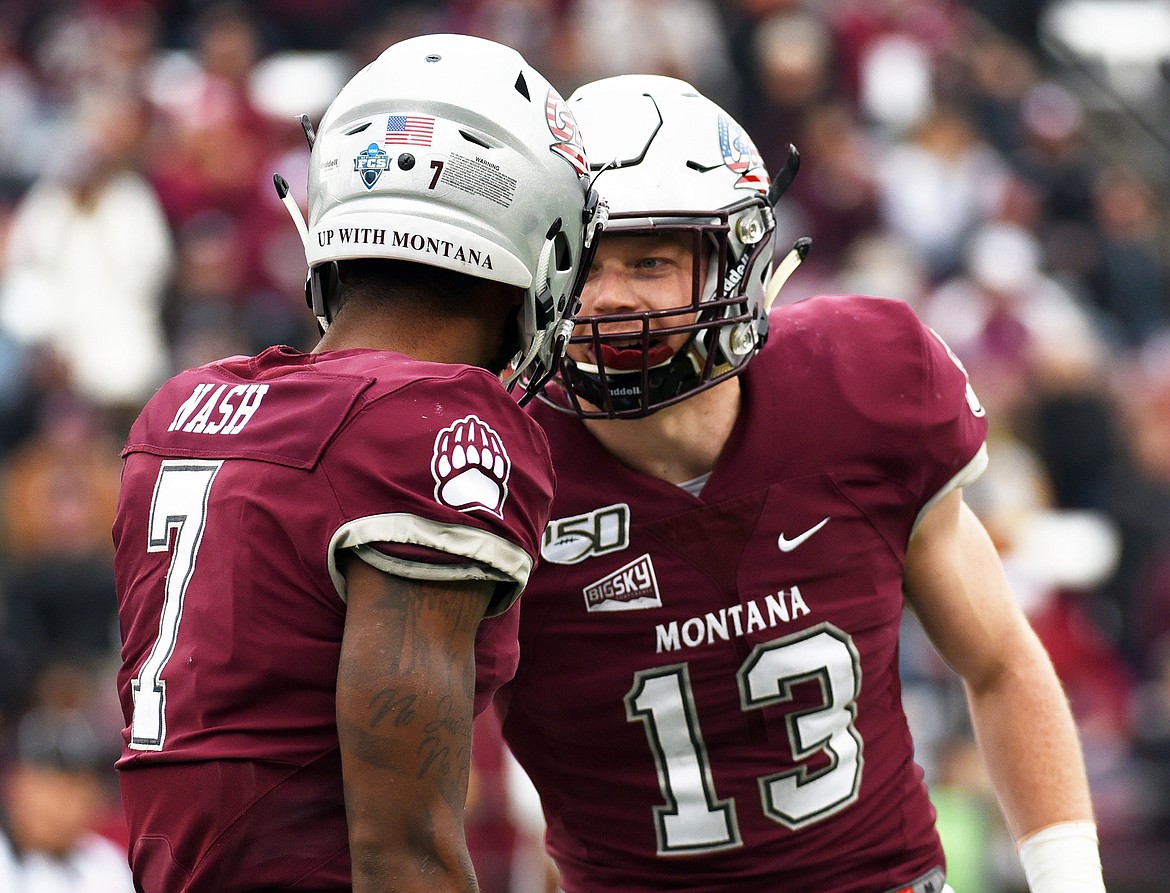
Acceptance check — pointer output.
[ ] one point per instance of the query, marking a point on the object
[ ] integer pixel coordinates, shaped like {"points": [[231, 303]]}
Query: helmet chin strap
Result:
{"points": [[622, 390], [548, 343], [543, 297], [785, 269], [315, 289]]}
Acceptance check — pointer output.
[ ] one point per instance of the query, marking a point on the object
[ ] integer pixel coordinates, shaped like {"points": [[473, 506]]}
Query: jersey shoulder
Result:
{"points": [[454, 428], [438, 465], [845, 330], [275, 407], [885, 385], [287, 407], [875, 353]]}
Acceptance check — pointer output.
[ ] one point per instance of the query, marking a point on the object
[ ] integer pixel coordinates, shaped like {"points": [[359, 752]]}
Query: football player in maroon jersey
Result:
{"points": [[708, 695], [317, 554]]}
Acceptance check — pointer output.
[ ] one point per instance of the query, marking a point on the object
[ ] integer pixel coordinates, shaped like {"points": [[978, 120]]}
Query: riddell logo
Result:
{"points": [[632, 587]]}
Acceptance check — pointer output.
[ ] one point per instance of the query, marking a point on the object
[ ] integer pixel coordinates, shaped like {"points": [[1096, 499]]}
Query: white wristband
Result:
{"points": [[1063, 858]]}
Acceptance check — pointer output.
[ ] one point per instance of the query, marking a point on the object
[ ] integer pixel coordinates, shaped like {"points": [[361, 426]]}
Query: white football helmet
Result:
{"points": [[667, 159], [452, 151]]}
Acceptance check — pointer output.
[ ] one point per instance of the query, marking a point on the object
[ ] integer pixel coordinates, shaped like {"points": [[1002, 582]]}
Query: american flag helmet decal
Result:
{"points": [[741, 156], [409, 130]]}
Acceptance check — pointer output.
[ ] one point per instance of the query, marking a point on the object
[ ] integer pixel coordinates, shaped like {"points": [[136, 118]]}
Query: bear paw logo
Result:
{"points": [[471, 467]]}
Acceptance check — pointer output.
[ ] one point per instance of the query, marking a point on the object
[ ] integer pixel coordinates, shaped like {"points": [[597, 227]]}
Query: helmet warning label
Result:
{"points": [[479, 177]]}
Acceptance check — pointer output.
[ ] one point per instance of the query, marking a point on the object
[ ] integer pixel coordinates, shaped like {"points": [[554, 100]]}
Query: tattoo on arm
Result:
{"points": [[389, 703], [406, 685]]}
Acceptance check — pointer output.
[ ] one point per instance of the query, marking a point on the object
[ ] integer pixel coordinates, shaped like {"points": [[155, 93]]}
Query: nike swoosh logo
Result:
{"points": [[787, 545]]}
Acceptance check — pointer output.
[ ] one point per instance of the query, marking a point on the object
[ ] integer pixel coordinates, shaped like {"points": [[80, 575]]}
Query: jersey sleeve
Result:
{"points": [[934, 429], [954, 423], [444, 478]]}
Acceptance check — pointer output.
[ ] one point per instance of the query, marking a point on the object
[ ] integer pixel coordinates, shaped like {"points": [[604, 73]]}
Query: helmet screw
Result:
{"points": [[742, 340], [406, 161], [749, 230], [433, 57]]}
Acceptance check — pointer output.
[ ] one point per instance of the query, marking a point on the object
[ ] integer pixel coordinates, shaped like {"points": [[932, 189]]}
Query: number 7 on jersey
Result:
{"points": [[179, 504]]}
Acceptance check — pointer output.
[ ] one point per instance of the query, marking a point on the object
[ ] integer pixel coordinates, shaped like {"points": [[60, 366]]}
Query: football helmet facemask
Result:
{"points": [[668, 160], [452, 151]]}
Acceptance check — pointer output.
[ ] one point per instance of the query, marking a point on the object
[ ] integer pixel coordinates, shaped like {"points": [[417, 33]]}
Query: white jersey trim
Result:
{"points": [[967, 474], [495, 558]]}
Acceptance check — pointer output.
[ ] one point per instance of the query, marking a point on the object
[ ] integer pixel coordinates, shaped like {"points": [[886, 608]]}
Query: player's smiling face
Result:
{"points": [[634, 274]]}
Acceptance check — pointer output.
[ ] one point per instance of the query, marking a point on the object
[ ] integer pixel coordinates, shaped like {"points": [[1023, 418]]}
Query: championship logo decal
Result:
{"points": [[563, 127], [632, 587], [741, 156], [471, 467], [599, 532], [369, 163]]}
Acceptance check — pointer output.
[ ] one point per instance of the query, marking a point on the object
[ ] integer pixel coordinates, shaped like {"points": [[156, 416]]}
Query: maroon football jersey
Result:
{"points": [[708, 694], [242, 482]]}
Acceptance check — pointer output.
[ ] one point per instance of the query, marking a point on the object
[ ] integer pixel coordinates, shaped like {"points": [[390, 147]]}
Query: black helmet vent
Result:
{"points": [[522, 87]]}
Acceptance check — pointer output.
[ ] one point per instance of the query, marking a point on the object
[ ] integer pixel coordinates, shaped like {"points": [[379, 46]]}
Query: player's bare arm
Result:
{"points": [[405, 689], [956, 584]]}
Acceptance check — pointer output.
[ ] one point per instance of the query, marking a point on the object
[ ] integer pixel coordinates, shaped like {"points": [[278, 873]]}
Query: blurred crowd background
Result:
{"points": [[1002, 165]]}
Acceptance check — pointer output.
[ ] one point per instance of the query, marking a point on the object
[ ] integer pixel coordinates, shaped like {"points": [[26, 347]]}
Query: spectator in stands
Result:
{"points": [[88, 259], [55, 792]]}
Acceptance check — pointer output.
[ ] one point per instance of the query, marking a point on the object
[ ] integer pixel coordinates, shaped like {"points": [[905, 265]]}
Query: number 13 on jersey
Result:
{"points": [[694, 819]]}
